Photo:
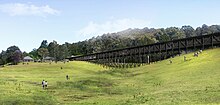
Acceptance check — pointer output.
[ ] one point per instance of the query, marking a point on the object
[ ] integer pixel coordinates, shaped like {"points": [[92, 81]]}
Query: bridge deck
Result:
{"points": [[152, 52]]}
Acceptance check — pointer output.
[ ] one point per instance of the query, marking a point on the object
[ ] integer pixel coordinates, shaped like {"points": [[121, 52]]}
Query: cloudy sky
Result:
{"points": [[25, 23]]}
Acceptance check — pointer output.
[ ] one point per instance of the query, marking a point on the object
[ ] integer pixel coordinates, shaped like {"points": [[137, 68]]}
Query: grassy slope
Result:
{"points": [[196, 81]]}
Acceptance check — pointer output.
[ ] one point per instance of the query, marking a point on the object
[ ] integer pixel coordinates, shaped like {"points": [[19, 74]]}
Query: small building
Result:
{"points": [[37, 60], [48, 59], [28, 59]]}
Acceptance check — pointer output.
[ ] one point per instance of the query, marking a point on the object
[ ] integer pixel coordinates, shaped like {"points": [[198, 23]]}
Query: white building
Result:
{"points": [[28, 59]]}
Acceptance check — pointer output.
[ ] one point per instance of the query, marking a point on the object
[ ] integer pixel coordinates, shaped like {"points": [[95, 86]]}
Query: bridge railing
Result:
{"points": [[152, 52]]}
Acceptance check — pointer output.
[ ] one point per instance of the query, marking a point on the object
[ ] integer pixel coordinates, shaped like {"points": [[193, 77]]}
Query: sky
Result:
{"points": [[26, 23]]}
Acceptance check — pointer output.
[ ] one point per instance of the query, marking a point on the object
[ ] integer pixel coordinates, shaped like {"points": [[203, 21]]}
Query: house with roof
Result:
{"points": [[28, 59], [48, 59]]}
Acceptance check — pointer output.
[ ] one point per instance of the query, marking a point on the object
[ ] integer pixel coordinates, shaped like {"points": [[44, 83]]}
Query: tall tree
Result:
{"points": [[17, 57], [10, 52], [25, 54], [53, 49], [44, 44], [34, 54], [161, 35], [43, 52], [175, 33], [63, 52], [214, 28], [205, 30], [3, 58], [198, 31], [188, 31]]}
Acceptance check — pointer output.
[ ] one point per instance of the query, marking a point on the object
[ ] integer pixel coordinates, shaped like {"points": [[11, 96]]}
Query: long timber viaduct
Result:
{"points": [[138, 55]]}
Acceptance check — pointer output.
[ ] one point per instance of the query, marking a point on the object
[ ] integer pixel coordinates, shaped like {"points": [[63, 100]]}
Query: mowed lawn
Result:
{"points": [[196, 81]]}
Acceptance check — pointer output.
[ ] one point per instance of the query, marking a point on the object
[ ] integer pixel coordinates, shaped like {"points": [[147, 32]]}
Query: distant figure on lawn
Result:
{"points": [[200, 51], [67, 77], [43, 84], [196, 54], [184, 58], [171, 61]]}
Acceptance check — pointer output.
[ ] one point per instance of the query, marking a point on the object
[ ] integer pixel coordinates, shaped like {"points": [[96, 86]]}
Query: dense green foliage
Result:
{"points": [[126, 38], [12, 55], [193, 82], [43, 52], [112, 41]]}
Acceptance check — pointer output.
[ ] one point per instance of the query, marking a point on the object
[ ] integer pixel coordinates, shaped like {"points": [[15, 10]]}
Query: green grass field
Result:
{"points": [[196, 81]]}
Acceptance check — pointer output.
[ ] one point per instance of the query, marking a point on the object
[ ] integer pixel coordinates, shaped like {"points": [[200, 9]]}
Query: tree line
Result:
{"points": [[106, 42], [137, 37]]}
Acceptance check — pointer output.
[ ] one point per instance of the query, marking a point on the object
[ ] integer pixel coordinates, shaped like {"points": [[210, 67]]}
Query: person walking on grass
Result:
{"points": [[184, 58], [67, 77], [43, 84], [171, 61]]}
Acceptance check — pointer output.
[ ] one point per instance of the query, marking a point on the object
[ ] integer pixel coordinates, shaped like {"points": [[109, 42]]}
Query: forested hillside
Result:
{"points": [[109, 41], [137, 37]]}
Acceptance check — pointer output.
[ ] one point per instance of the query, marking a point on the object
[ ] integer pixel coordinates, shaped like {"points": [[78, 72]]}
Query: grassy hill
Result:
{"points": [[196, 81]]}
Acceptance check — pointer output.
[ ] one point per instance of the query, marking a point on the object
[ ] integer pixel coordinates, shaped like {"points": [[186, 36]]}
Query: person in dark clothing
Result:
{"points": [[171, 61], [184, 58], [43, 84], [67, 77]]}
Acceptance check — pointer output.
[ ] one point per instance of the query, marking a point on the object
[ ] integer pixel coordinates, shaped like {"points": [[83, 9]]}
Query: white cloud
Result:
{"points": [[94, 29], [19, 9]]}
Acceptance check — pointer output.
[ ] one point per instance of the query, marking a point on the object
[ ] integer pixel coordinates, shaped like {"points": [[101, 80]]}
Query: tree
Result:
{"points": [[17, 57], [198, 31], [175, 33], [10, 53], [205, 30], [188, 31], [34, 54], [3, 58], [25, 54], [214, 28], [44, 44], [53, 49], [63, 52], [43, 52], [161, 35]]}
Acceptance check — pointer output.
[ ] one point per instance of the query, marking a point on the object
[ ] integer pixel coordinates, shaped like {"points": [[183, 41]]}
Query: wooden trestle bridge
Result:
{"points": [[135, 56]]}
